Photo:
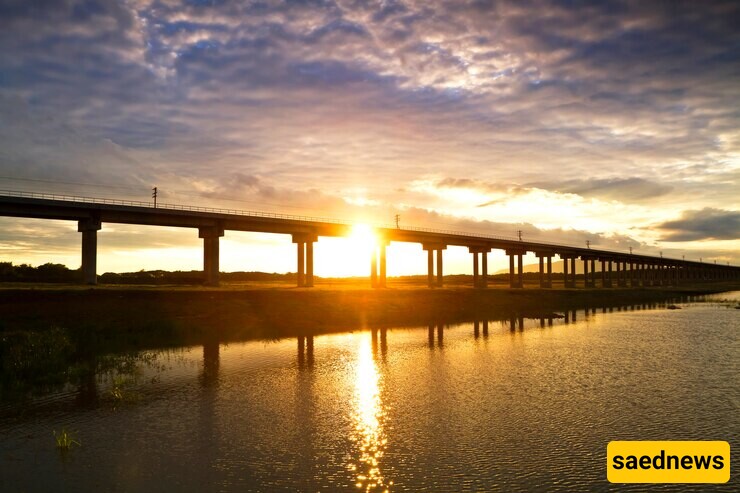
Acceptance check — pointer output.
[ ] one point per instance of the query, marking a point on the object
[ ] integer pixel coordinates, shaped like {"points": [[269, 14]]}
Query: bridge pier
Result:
{"points": [[606, 272], [516, 276], [431, 248], [378, 269], [593, 273], [589, 277], [621, 273], [89, 229], [569, 275], [211, 237], [304, 271], [545, 276], [480, 276]]}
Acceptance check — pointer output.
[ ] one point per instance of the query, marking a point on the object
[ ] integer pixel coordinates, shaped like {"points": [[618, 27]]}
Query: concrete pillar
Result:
{"points": [[374, 268], [603, 274], [593, 273], [565, 272], [480, 267], [521, 269], [516, 276], [545, 275], [432, 280], [309, 263], [210, 236], [542, 271], [383, 268], [430, 268], [586, 282], [573, 272], [89, 229], [476, 281], [512, 284], [301, 268], [304, 244], [378, 265], [609, 280], [440, 270], [484, 272]]}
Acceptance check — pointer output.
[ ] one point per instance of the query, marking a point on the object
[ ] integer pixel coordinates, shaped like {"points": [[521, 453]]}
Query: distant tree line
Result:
{"points": [[53, 273], [43, 273], [58, 273]]}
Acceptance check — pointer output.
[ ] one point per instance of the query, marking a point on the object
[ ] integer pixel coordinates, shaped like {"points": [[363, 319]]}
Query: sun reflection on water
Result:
{"points": [[369, 415]]}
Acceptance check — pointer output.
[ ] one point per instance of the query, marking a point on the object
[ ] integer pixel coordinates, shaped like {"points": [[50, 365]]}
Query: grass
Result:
{"points": [[65, 440], [120, 392]]}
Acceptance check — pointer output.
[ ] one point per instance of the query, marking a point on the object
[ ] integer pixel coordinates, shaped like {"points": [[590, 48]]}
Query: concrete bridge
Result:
{"points": [[617, 269]]}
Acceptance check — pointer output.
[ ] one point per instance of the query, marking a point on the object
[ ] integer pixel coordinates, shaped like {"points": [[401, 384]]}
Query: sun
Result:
{"points": [[363, 234], [347, 255]]}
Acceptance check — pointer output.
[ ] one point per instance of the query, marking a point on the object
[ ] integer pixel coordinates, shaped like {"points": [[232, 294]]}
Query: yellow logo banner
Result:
{"points": [[668, 462]]}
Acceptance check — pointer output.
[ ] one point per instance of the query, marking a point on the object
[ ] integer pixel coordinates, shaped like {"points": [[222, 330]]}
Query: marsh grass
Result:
{"points": [[65, 440], [121, 391]]}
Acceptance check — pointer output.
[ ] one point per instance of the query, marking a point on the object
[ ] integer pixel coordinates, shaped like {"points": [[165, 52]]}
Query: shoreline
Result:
{"points": [[270, 312], [54, 337]]}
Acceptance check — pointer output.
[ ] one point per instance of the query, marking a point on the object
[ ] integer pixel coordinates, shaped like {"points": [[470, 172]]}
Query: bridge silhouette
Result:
{"points": [[617, 268]]}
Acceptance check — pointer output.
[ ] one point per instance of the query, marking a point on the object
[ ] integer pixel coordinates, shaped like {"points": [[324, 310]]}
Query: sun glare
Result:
{"points": [[363, 234], [346, 256]]}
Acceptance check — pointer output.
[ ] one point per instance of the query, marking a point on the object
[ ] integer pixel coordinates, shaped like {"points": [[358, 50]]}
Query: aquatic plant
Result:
{"points": [[121, 390], [65, 440]]}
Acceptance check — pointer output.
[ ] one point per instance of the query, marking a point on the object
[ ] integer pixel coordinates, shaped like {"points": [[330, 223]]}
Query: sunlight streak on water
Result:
{"points": [[369, 415]]}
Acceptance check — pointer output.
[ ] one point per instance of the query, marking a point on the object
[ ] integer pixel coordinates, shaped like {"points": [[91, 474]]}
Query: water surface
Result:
{"points": [[510, 405]]}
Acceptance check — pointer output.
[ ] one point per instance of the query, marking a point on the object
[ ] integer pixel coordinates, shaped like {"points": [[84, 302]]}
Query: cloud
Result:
{"points": [[704, 224], [620, 189]]}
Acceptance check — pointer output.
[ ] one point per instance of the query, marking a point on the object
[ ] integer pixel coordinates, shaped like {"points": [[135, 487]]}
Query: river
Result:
{"points": [[483, 406]]}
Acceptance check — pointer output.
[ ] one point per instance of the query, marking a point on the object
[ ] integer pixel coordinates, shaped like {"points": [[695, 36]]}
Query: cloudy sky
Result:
{"points": [[614, 122]]}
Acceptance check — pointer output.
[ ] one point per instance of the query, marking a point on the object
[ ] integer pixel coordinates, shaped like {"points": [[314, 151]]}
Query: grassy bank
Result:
{"points": [[250, 312], [56, 336]]}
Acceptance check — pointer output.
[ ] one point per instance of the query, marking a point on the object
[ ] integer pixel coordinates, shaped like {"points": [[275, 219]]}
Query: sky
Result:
{"points": [[613, 122]]}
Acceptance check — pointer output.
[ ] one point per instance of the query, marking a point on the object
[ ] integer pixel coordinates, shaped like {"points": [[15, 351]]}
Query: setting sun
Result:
{"points": [[363, 234], [346, 256]]}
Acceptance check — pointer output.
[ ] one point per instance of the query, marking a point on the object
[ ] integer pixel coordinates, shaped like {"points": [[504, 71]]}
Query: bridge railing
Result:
{"points": [[239, 212], [293, 217]]}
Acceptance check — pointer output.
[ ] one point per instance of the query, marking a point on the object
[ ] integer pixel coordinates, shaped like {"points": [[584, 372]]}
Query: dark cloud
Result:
{"points": [[704, 224]]}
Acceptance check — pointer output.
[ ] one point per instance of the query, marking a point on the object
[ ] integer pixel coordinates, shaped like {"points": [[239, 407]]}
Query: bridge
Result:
{"points": [[617, 269]]}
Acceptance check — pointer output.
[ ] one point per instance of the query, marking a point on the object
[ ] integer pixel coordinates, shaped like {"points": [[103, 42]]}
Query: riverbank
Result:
{"points": [[51, 336], [273, 312]]}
